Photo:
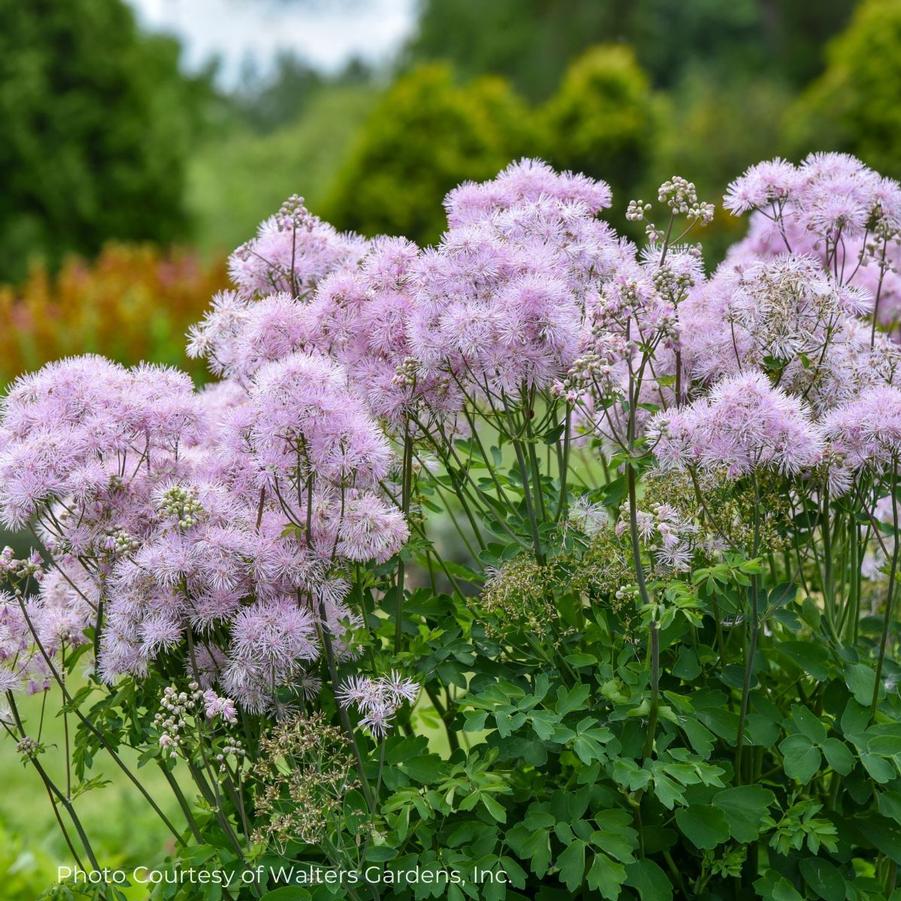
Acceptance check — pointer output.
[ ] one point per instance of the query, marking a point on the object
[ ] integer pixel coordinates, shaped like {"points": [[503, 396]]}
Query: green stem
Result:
{"points": [[654, 637], [342, 713], [406, 491], [890, 599], [752, 646], [98, 734], [562, 504]]}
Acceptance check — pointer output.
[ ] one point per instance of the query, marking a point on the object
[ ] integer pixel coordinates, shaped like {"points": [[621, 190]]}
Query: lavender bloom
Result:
{"points": [[500, 302], [270, 641], [232, 516], [743, 424], [831, 207], [865, 433], [292, 251], [788, 315], [216, 706], [377, 700]]}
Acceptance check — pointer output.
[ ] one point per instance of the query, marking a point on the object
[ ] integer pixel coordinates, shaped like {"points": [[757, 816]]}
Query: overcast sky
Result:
{"points": [[325, 32]]}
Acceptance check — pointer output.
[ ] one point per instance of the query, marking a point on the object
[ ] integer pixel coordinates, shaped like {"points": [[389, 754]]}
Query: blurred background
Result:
{"points": [[143, 139]]}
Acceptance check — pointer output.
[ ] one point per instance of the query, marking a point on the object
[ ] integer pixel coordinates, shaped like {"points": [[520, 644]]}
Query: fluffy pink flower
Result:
{"points": [[305, 417], [744, 424], [292, 251], [377, 700], [770, 182], [865, 433], [523, 182], [216, 706], [270, 642], [500, 302]]}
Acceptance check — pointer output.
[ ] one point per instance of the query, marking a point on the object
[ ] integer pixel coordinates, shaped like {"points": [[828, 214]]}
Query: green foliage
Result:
{"points": [[96, 125], [603, 120], [270, 101], [424, 137], [713, 128], [429, 133], [531, 42], [854, 105], [31, 846], [24, 871], [236, 178]]}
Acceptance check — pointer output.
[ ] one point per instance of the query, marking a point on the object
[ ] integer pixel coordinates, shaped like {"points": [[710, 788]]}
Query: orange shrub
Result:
{"points": [[133, 303]]}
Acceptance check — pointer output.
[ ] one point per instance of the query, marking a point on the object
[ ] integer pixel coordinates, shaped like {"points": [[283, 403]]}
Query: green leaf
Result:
{"points": [[425, 768], [720, 721], [744, 806], [781, 595], [606, 876], [615, 834], [516, 873], [649, 881], [571, 864], [574, 699], [544, 722], [578, 660], [823, 878], [838, 756], [287, 893], [773, 887], [534, 846], [880, 769], [629, 774], [811, 658], [707, 827], [495, 809], [884, 834], [588, 749], [699, 736], [808, 724], [668, 792], [861, 680], [889, 803], [508, 723], [800, 757], [380, 853], [883, 744], [761, 730], [687, 666], [856, 717]]}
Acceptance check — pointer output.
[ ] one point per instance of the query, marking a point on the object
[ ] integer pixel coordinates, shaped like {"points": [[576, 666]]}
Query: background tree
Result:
{"points": [[533, 41], [603, 120], [427, 134], [854, 106], [96, 125]]}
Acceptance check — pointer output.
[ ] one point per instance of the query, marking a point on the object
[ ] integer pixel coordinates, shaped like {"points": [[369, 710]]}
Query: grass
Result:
{"points": [[123, 829], [236, 182]]}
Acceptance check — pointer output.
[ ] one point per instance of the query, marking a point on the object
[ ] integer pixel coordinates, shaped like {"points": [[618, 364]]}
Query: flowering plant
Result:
{"points": [[531, 565]]}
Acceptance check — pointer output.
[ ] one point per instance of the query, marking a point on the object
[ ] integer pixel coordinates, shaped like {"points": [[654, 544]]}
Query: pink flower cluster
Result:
{"points": [[223, 516], [865, 434], [778, 345], [292, 251], [377, 700], [500, 302], [222, 524], [788, 316], [742, 425], [831, 207]]}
